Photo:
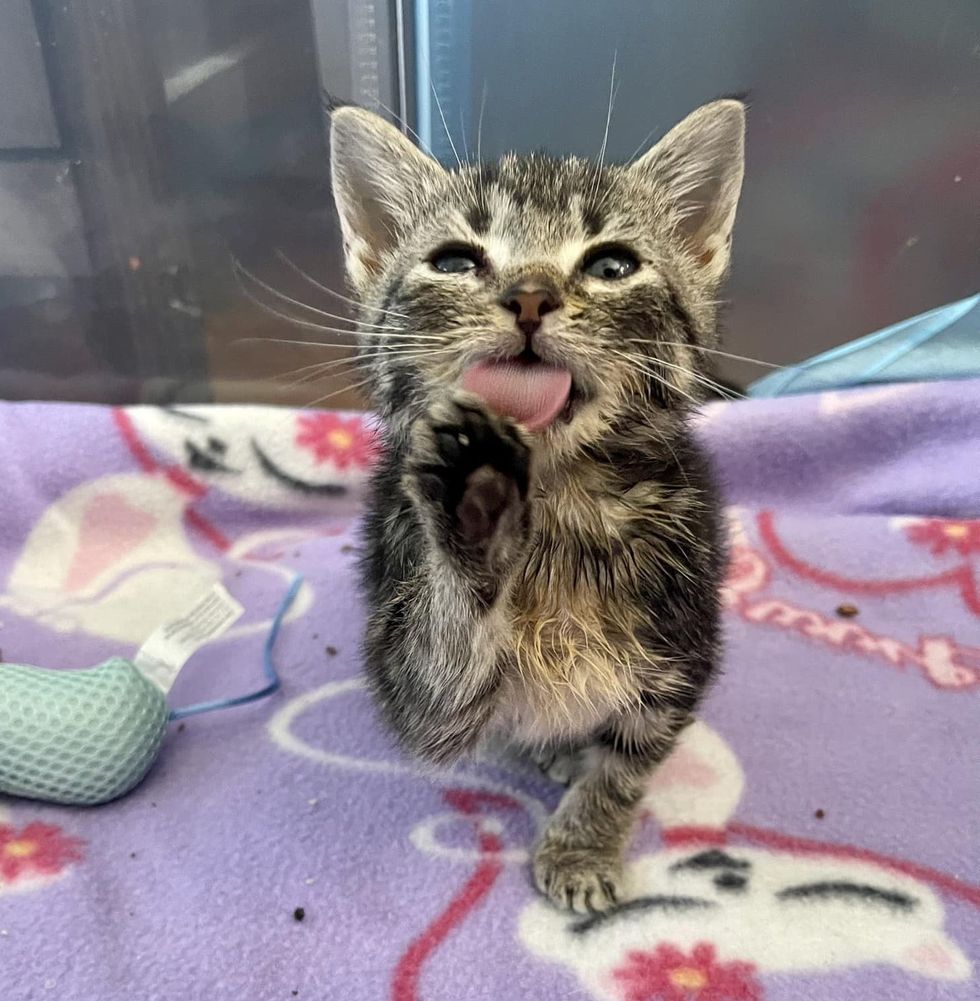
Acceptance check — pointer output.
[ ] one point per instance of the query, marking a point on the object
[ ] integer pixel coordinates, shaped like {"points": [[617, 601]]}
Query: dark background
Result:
{"points": [[146, 147]]}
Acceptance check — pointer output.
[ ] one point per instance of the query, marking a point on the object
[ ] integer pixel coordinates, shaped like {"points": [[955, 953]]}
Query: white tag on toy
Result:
{"points": [[170, 646]]}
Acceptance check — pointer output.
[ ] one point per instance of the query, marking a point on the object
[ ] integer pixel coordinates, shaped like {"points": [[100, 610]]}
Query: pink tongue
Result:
{"points": [[533, 395]]}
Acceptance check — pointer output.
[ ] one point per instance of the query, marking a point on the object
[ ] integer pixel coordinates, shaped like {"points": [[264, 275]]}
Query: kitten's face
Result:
{"points": [[607, 274]]}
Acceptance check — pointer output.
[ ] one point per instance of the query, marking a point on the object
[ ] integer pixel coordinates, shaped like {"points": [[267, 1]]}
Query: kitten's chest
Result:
{"points": [[573, 648]]}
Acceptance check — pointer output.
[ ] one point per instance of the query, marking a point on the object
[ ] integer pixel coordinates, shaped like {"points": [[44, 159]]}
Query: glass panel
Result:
{"points": [[152, 158], [145, 148], [860, 202]]}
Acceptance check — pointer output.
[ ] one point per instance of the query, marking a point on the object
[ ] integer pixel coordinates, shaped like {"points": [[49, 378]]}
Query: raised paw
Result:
{"points": [[469, 470], [583, 880]]}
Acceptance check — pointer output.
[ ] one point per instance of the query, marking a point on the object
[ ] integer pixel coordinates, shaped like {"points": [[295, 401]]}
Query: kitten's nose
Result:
{"points": [[529, 303]]}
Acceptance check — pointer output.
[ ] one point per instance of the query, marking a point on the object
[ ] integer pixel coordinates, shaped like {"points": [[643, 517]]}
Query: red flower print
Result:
{"points": [[345, 441], [667, 974], [940, 536], [35, 850]]}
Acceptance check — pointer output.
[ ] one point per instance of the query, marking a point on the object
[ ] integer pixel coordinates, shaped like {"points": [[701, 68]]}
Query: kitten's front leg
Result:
{"points": [[435, 644], [578, 861], [467, 473]]}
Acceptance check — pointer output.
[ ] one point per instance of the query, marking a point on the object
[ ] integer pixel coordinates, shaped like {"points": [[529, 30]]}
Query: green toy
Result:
{"points": [[89, 736], [78, 737]]}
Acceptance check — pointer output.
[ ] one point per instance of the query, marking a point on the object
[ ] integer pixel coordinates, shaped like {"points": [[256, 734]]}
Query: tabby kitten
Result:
{"points": [[543, 545]]}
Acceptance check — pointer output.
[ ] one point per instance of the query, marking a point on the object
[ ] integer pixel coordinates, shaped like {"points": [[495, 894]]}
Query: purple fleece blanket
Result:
{"points": [[822, 814]]}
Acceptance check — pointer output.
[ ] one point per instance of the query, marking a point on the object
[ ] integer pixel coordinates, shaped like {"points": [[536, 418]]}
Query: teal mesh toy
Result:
{"points": [[81, 737], [89, 736]]}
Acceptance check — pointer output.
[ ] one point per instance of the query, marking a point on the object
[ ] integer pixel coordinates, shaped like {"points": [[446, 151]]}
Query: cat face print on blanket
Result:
{"points": [[707, 916], [267, 457], [116, 555]]}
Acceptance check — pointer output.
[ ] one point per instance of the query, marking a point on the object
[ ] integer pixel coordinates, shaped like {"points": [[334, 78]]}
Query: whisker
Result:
{"points": [[312, 376], [313, 372], [327, 345], [289, 318], [395, 334], [723, 391], [641, 148], [696, 376], [352, 342], [401, 335], [325, 288], [479, 126], [307, 325], [643, 365], [319, 366], [605, 134], [343, 389], [710, 351], [478, 186], [442, 115], [404, 125], [700, 379], [355, 359], [241, 273], [285, 340], [309, 373], [462, 136], [643, 369], [395, 339], [240, 268], [311, 325]]}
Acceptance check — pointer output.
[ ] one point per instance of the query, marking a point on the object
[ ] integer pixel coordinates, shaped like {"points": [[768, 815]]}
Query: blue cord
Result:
{"points": [[270, 668]]}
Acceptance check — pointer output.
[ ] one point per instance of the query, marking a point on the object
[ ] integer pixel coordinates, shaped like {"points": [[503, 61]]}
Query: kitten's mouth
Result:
{"points": [[525, 388]]}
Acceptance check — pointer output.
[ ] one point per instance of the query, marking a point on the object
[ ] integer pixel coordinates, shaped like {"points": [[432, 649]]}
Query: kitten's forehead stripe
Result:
{"points": [[478, 212], [539, 183], [593, 219], [478, 217]]}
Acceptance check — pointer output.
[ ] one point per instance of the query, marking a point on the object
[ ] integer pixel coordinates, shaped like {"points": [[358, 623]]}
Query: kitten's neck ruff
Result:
{"points": [[641, 445]]}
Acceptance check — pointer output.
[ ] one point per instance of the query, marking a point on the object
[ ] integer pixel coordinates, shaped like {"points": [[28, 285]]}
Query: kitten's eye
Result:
{"points": [[610, 263], [456, 260]]}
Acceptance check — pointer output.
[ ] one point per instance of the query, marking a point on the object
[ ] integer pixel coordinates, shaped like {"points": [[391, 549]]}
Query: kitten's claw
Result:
{"points": [[583, 880]]}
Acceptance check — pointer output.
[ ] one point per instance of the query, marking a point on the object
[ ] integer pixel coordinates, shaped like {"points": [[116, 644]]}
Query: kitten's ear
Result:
{"points": [[699, 165], [378, 179]]}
